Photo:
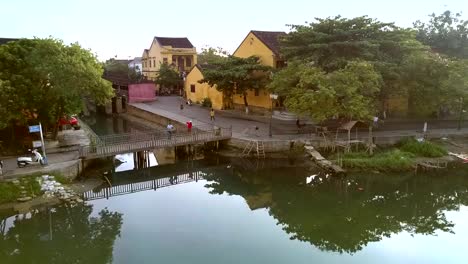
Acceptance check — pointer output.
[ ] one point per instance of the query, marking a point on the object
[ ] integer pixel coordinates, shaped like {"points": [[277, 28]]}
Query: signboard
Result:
{"points": [[33, 129], [37, 144]]}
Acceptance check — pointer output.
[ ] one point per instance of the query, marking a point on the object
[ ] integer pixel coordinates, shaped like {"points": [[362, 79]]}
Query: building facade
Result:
{"points": [[197, 92], [265, 45], [176, 51]]}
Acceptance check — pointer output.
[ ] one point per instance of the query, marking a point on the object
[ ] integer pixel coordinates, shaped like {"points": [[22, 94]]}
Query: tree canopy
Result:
{"points": [[48, 79], [116, 67], [168, 76], [400, 66], [446, 33], [211, 55], [236, 75]]}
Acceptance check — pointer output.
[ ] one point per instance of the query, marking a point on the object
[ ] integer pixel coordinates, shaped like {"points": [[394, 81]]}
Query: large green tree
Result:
{"points": [[236, 75], [405, 67], [121, 68], [47, 79], [349, 93], [446, 33], [168, 76]]}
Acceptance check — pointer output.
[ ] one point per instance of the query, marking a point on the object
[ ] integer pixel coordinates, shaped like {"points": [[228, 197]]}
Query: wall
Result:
{"points": [[251, 46], [142, 92], [202, 90], [261, 101], [151, 117]]}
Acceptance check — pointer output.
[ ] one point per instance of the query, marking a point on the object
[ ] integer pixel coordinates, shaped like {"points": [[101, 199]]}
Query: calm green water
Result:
{"points": [[232, 212]]}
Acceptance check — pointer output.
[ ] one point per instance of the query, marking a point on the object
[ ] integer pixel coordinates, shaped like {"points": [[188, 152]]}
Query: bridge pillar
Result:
{"points": [[118, 105], [109, 108]]}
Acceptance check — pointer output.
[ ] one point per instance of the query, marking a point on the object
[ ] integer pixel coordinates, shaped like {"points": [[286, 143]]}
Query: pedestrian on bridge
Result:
{"points": [[212, 113], [189, 126], [170, 129]]}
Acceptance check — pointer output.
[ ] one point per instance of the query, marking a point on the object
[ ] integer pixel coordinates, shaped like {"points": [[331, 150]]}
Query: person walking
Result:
{"points": [[181, 107], [170, 128], [212, 114], [189, 126]]}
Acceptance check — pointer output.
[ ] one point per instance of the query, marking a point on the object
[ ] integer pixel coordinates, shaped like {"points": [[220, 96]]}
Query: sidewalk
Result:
{"points": [[169, 106]]}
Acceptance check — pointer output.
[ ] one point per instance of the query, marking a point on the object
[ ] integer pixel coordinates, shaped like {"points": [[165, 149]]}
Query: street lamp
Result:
{"points": [[272, 97]]}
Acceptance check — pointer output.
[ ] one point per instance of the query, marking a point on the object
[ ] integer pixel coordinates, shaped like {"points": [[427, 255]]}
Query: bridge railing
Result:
{"points": [[131, 142]]}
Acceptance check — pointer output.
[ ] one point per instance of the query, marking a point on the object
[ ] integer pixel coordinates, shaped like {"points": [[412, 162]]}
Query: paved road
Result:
{"points": [[170, 106], [201, 116]]}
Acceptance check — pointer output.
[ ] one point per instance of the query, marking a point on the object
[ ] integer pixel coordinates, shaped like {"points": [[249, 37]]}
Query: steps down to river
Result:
{"points": [[322, 162]]}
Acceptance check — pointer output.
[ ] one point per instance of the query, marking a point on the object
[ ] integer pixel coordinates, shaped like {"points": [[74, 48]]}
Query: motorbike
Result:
{"points": [[36, 158]]}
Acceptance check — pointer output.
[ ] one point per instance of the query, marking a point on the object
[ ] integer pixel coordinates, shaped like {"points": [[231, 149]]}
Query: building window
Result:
{"points": [[188, 62], [192, 88], [150, 63], [154, 63], [165, 60], [257, 92]]}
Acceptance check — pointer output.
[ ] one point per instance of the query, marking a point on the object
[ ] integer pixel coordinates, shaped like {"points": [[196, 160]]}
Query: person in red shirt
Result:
{"points": [[189, 126]]}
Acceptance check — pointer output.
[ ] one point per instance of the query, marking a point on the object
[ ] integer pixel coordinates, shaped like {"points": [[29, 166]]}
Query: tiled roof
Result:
{"points": [[6, 40], [270, 39], [182, 43]]}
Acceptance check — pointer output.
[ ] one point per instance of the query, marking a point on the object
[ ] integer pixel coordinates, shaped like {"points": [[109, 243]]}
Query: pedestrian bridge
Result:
{"points": [[152, 139]]}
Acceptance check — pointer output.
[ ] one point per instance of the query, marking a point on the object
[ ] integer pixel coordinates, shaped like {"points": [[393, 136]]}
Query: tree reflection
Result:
{"points": [[344, 215], [62, 235]]}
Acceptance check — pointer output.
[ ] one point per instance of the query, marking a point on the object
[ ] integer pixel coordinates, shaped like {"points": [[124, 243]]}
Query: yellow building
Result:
{"points": [[265, 45], [176, 51], [196, 91]]}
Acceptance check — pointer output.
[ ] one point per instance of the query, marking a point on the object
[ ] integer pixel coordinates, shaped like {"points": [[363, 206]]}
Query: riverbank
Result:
{"points": [[408, 154]]}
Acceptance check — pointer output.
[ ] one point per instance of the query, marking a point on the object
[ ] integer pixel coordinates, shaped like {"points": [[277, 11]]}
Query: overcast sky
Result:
{"points": [[126, 27]]}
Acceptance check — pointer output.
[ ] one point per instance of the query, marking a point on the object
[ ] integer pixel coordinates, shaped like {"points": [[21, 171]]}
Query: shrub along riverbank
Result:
{"points": [[403, 157]]}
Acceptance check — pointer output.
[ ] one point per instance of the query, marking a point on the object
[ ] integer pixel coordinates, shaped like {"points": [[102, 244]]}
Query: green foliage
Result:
{"points": [[121, 68], [446, 33], [236, 76], [331, 42], [9, 192], [422, 149], [168, 76], [212, 56], [206, 102], [350, 92], [46, 78], [393, 160], [404, 67]]}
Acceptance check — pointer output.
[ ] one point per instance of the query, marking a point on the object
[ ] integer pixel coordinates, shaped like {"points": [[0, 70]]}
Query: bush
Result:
{"points": [[423, 149], [206, 102], [393, 160]]}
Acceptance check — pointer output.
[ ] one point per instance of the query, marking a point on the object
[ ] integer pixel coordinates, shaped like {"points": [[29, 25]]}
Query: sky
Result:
{"points": [[125, 28]]}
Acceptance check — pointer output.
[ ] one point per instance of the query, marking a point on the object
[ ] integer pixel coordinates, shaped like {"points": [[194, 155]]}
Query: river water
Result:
{"points": [[244, 211], [218, 210]]}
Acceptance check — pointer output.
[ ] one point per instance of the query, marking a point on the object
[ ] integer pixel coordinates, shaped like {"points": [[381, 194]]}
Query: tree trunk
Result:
{"points": [[246, 103]]}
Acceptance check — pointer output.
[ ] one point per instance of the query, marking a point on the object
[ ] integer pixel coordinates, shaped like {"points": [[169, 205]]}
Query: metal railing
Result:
{"points": [[138, 141]]}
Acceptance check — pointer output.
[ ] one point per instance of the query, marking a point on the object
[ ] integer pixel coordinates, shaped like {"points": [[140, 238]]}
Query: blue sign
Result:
{"points": [[33, 129]]}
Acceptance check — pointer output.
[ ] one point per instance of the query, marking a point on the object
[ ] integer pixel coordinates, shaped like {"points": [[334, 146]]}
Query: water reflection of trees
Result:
{"points": [[344, 215], [61, 235]]}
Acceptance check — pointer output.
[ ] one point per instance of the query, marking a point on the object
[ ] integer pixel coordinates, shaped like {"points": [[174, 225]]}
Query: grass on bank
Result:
{"points": [[396, 159], [422, 149], [9, 192]]}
